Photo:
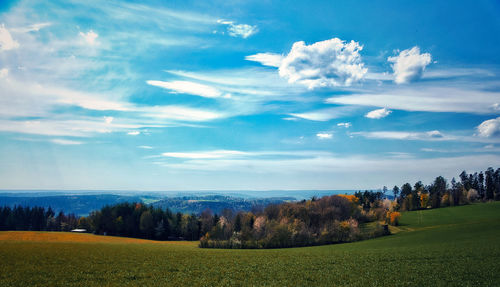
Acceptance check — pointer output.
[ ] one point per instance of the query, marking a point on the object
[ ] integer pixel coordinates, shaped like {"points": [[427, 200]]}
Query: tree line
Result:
{"points": [[124, 219], [482, 186], [36, 218], [331, 219]]}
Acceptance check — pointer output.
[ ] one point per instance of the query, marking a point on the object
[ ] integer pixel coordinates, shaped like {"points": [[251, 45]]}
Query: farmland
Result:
{"points": [[456, 246]]}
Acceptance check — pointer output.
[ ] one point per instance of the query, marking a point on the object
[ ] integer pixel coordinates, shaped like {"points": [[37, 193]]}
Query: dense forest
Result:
{"points": [[471, 187], [330, 219], [123, 219]]}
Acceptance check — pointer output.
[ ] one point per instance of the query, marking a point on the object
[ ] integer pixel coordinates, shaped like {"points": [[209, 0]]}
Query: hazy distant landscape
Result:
{"points": [[82, 203]]}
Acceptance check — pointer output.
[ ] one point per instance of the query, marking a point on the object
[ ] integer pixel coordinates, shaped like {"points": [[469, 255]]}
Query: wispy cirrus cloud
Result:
{"points": [[145, 147], [326, 114], [432, 135], [187, 87], [76, 127], [335, 167], [403, 135], [266, 59], [31, 27], [428, 98], [205, 154], [66, 142]]}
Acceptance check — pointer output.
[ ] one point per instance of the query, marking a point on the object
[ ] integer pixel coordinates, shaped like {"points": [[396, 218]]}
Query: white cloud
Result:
{"points": [[205, 154], [452, 72], [181, 113], [76, 126], [145, 147], [32, 28], [239, 30], [345, 125], [324, 136], [90, 37], [66, 142], [326, 63], [403, 135], [378, 168], [252, 86], [108, 120], [6, 41], [22, 95], [392, 135], [242, 30], [426, 136], [266, 59], [409, 65], [134, 133], [186, 87], [489, 128], [323, 114], [485, 149], [50, 75], [437, 98], [378, 114]]}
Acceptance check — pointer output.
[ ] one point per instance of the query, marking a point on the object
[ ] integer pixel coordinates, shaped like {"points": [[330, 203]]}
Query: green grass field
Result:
{"points": [[457, 246]]}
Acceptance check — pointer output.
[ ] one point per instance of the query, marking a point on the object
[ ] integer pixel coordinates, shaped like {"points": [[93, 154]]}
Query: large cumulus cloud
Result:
{"points": [[328, 63]]}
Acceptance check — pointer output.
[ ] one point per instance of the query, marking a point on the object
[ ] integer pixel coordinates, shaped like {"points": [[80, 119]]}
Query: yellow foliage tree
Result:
{"points": [[350, 197], [424, 200], [393, 217]]}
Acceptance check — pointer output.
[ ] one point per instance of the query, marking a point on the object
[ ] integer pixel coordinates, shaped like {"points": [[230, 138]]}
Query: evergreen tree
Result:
{"points": [[237, 223], [147, 226], [395, 191], [490, 183]]}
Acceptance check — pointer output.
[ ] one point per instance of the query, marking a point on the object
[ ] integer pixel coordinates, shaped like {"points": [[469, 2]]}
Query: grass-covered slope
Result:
{"points": [[457, 246]]}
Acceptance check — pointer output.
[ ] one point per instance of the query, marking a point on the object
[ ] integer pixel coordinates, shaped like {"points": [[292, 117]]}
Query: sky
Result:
{"points": [[246, 95]]}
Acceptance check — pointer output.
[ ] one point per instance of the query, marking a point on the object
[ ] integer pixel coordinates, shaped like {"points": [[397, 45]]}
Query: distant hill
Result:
{"points": [[78, 204], [216, 203], [83, 204]]}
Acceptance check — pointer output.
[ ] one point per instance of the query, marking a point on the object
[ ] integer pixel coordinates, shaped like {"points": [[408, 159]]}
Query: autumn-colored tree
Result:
{"points": [[424, 200], [350, 197], [393, 218]]}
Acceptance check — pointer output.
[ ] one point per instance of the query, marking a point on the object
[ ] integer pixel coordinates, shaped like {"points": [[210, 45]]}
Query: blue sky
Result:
{"points": [[246, 95]]}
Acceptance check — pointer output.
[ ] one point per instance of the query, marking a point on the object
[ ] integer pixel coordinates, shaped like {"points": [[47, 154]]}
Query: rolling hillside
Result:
{"points": [[456, 246]]}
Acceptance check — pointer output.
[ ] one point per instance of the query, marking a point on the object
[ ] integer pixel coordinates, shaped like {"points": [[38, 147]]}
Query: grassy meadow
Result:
{"points": [[456, 246]]}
